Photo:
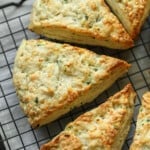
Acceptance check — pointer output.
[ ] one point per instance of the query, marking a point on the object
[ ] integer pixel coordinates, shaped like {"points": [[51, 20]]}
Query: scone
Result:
{"points": [[87, 22], [51, 78], [131, 13], [103, 128], [141, 140]]}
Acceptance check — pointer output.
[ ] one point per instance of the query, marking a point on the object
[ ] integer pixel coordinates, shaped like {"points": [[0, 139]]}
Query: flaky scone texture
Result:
{"points": [[79, 21], [141, 140], [103, 128], [51, 78], [132, 14]]}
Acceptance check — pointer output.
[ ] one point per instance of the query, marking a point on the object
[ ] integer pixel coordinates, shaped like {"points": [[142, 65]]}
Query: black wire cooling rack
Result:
{"points": [[15, 131]]}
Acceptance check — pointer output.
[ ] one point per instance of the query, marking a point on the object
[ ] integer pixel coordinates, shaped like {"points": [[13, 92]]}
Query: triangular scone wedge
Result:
{"points": [[141, 140], [103, 128], [132, 13], [52, 78], [87, 22]]}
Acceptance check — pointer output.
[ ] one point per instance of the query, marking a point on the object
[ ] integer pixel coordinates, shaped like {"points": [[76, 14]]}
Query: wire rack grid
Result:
{"points": [[15, 130]]}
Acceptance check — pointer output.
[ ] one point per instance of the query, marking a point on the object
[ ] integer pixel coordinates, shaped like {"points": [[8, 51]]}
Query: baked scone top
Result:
{"points": [[103, 128], [141, 139], [85, 17], [132, 13], [93, 15], [49, 76]]}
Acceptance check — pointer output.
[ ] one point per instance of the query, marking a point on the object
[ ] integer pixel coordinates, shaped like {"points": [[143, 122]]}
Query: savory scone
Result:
{"points": [[141, 139], [87, 22], [103, 128], [51, 78], [132, 13]]}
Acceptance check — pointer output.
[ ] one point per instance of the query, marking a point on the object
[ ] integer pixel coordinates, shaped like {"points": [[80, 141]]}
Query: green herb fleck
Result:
{"points": [[88, 82], [36, 100], [40, 44], [95, 69], [98, 19], [141, 109], [65, 1], [69, 127], [86, 17], [47, 59]]}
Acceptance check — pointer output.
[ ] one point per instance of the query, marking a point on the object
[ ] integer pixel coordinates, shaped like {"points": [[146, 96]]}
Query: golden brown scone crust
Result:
{"points": [[103, 128], [141, 140], [52, 78], [64, 141], [79, 21], [131, 13]]}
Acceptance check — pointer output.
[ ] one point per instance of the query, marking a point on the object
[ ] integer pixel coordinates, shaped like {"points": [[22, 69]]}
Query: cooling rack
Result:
{"points": [[15, 130]]}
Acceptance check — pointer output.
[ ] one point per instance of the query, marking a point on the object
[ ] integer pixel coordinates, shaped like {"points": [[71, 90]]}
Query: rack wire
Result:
{"points": [[15, 130]]}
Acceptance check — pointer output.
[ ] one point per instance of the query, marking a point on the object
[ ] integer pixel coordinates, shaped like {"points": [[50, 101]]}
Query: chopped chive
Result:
{"points": [[88, 82], [141, 109], [65, 1], [36, 100], [86, 17], [95, 69], [40, 44]]}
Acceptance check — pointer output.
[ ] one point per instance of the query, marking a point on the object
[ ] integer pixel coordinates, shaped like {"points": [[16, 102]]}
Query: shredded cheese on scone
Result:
{"points": [[103, 128], [132, 13], [79, 21], [53, 78], [141, 140]]}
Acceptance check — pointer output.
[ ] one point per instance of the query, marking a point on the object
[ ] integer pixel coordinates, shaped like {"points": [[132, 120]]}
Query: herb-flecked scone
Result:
{"points": [[132, 13], [141, 140], [79, 21], [51, 78], [102, 128]]}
